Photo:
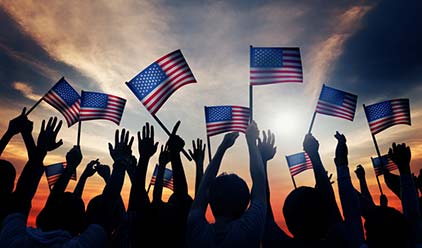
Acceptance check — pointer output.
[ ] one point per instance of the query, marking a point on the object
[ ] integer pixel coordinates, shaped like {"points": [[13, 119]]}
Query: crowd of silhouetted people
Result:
{"points": [[243, 217]]}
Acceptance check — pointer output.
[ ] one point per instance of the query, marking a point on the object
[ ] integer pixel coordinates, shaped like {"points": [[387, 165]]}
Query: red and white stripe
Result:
{"points": [[291, 72], [296, 169], [401, 115], [238, 123], [166, 183], [178, 74], [113, 112], [71, 113], [345, 111]]}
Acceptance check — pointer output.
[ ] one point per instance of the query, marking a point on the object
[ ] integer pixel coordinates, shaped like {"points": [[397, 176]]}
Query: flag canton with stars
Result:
{"points": [[94, 100], [379, 162], [267, 57], [220, 113], [378, 111], [295, 159], [66, 92], [332, 95], [147, 80]]}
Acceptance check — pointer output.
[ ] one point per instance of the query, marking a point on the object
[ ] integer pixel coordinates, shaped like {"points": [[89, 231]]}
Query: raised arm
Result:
{"points": [[323, 184], [392, 181], [200, 203], [348, 196], [163, 160], [198, 154], [104, 171], [73, 159], [364, 190], [88, 172], [17, 125]]}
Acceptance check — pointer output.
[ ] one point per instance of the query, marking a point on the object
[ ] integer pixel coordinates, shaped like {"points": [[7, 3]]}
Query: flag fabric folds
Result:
{"points": [[272, 65], [385, 114], [54, 171], [96, 105], [337, 103], [383, 162], [155, 84], [65, 99], [220, 119], [167, 179], [298, 163]]}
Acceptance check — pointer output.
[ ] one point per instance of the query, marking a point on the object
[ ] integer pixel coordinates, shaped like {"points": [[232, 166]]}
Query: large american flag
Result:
{"points": [[167, 179], [272, 65], [96, 105], [154, 85], [337, 103], [385, 114], [298, 163], [383, 162], [65, 99], [220, 119], [54, 171]]}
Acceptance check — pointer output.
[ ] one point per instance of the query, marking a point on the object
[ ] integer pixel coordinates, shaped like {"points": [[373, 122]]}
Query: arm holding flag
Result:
{"points": [[17, 125], [198, 155], [163, 160], [88, 172]]}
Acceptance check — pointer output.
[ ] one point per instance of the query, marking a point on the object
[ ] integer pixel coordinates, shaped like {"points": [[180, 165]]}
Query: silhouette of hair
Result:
{"points": [[95, 212], [386, 227], [306, 214], [7, 177], [65, 211], [228, 196]]}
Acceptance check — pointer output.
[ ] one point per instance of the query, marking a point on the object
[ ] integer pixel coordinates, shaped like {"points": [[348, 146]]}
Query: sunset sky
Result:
{"points": [[369, 48]]}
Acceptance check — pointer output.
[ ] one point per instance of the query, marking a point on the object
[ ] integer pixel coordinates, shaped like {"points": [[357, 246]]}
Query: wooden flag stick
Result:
{"points": [[34, 106], [168, 133], [251, 102], [378, 153], [78, 140], [312, 122], [293, 180], [209, 149]]}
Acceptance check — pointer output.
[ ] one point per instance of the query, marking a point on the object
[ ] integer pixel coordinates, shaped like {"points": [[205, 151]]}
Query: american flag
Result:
{"points": [[220, 119], [154, 85], [337, 103], [54, 171], [298, 162], [167, 179], [386, 114], [272, 65], [96, 105], [383, 162], [65, 99]]}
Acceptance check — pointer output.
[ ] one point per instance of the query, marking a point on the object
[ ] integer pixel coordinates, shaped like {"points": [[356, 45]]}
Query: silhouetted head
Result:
{"points": [[306, 214], [65, 211], [228, 196], [97, 214], [7, 177], [386, 227]]}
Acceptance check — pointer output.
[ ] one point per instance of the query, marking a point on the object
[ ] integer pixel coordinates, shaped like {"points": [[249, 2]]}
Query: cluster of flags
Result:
{"points": [[268, 65]]}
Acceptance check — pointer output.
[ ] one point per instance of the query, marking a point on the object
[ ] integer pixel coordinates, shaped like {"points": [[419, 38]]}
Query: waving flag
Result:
{"points": [[383, 162], [154, 85], [220, 119], [298, 163], [65, 99], [385, 114], [337, 103], [96, 105], [272, 65], [54, 171], [167, 179]]}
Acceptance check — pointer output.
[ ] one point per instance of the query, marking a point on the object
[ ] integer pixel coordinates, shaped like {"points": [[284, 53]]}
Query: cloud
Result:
{"points": [[26, 90]]}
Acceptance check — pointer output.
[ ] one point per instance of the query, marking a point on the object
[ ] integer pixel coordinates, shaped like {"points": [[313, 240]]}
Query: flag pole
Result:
{"points": [[250, 90], [378, 153], [209, 149], [293, 180], [149, 187], [168, 133], [79, 133], [34, 106], [312, 122]]}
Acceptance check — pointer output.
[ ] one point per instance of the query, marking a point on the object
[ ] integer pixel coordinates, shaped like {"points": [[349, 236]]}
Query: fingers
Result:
{"points": [[175, 128], [193, 145], [43, 126], [264, 136], [131, 140], [23, 111], [116, 136], [139, 136], [152, 132], [190, 153], [58, 144], [205, 145], [57, 129], [110, 147], [144, 132]]}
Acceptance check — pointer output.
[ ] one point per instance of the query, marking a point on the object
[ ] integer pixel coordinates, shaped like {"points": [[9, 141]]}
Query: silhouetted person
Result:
{"points": [[228, 197], [198, 155]]}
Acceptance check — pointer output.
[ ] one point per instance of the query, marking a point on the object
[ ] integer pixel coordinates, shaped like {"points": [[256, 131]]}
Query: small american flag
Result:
{"points": [[167, 179], [337, 103], [54, 171], [272, 65], [298, 162], [96, 105], [383, 162], [386, 114], [220, 119], [154, 85], [65, 99]]}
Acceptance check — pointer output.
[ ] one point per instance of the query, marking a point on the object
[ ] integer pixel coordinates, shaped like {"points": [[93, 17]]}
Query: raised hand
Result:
{"points": [[164, 157], [20, 124], [91, 168], [74, 157], [175, 143], [229, 140], [252, 132], [198, 153], [146, 145], [122, 150], [310, 144], [104, 171], [360, 172], [266, 146], [48, 134], [400, 154], [341, 150], [383, 201]]}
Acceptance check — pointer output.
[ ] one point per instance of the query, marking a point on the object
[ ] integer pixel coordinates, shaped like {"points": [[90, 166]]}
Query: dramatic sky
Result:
{"points": [[369, 48]]}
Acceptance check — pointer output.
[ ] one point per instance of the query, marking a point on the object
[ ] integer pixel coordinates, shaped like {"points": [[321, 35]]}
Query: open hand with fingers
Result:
{"points": [[198, 151], [122, 150], [48, 134], [400, 154], [146, 145], [266, 145], [164, 157]]}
